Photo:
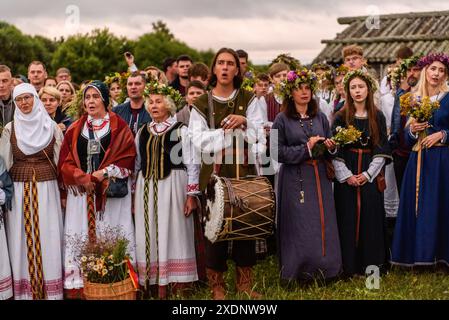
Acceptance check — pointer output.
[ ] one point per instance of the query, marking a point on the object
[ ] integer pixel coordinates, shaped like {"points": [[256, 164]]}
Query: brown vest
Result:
{"points": [[38, 164], [237, 106]]}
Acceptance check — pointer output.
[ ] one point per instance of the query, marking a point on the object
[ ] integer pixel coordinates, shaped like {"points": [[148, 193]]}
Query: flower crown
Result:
{"points": [[122, 79], [341, 70], [400, 71], [432, 57], [320, 65], [115, 76], [154, 87], [360, 74], [288, 60], [295, 79]]}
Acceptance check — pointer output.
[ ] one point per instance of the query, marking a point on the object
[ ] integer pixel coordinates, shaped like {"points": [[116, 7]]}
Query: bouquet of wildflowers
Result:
{"points": [[106, 260], [347, 135], [249, 80], [420, 109], [343, 136]]}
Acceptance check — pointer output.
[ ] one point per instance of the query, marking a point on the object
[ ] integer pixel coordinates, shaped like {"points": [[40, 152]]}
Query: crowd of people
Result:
{"points": [[130, 152]]}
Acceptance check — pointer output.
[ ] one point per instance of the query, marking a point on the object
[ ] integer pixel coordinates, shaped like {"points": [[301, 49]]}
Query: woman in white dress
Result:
{"points": [[30, 146], [6, 192], [166, 190], [97, 147]]}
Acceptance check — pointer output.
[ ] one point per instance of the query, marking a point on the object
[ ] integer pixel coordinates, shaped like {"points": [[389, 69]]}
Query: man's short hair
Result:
{"points": [[4, 68], [242, 54], [184, 57], [196, 84], [138, 73], [199, 69], [168, 63], [63, 70], [36, 62], [277, 67], [404, 52], [352, 49], [263, 77]]}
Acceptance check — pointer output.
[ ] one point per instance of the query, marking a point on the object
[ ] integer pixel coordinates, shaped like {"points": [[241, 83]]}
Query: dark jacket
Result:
{"points": [[124, 111], [6, 111]]}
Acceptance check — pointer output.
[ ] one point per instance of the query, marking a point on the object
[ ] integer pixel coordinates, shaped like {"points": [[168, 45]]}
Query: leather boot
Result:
{"points": [[244, 282], [216, 284]]}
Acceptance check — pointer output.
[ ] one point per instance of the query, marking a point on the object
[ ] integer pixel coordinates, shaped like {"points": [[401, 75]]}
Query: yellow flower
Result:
{"points": [[91, 258], [104, 272], [111, 257], [83, 259]]}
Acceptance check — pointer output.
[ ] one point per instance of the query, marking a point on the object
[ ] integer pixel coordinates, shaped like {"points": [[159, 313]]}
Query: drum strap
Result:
{"points": [[211, 110], [210, 103], [234, 200]]}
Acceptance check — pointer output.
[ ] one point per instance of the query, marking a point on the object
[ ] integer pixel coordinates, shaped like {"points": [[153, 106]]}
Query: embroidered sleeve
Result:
{"points": [[59, 137], [204, 139], [342, 173], [191, 163], [374, 168], [444, 139], [413, 136], [255, 118], [116, 172], [6, 149]]}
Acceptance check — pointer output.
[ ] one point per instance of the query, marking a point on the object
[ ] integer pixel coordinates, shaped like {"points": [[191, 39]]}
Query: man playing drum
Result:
{"points": [[214, 119]]}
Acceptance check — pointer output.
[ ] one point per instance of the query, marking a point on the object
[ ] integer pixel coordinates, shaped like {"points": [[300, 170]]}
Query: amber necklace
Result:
{"points": [[301, 123]]}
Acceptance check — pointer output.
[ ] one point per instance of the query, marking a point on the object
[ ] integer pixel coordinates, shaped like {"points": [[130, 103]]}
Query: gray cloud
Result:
{"points": [[199, 8], [262, 27]]}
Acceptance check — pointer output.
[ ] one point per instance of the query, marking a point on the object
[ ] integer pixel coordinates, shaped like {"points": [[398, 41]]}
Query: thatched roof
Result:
{"points": [[423, 32]]}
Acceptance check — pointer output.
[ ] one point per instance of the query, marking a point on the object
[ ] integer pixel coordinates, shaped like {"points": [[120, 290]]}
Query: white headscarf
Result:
{"points": [[34, 131]]}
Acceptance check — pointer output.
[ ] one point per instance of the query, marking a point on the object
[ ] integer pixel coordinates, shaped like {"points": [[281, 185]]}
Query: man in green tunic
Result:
{"points": [[213, 120]]}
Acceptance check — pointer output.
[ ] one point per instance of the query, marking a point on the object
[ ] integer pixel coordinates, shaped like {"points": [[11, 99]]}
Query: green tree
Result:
{"points": [[151, 49], [18, 50], [92, 55]]}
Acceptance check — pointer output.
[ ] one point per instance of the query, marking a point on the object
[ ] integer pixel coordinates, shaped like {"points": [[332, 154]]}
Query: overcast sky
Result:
{"points": [[264, 28]]}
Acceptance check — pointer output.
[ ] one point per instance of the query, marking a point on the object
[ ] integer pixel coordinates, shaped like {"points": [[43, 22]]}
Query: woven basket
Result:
{"points": [[123, 290]]}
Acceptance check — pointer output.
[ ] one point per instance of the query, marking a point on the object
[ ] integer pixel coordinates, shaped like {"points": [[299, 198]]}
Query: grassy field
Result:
{"points": [[396, 284]]}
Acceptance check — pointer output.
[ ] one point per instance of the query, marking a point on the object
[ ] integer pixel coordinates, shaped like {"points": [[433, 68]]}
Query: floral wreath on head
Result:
{"points": [[341, 70], [286, 58], [295, 79], [372, 84], [155, 87], [320, 65], [122, 79], [432, 57], [397, 73]]}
